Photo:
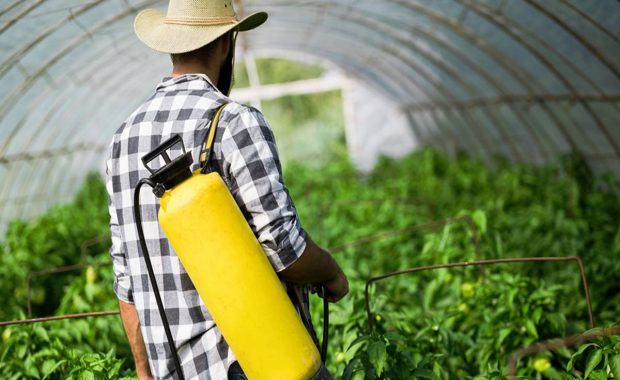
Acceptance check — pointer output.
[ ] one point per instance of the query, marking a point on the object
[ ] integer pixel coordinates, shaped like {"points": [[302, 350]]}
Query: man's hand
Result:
{"points": [[317, 267], [337, 287]]}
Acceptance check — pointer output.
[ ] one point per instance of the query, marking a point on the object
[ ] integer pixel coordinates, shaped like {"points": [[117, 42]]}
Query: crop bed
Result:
{"points": [[447, 321]]}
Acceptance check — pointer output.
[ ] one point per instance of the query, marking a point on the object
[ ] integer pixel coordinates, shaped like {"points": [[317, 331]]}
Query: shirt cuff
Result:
{"points": [[290, 248], [122, 289]]}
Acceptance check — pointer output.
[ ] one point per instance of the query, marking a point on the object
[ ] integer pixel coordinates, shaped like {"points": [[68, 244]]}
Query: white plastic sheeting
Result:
{"points": [[528, 79]]}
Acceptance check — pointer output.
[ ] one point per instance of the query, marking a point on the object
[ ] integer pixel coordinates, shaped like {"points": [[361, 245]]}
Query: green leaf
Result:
{"points": [[531, 328], [553, 374], [49, 366], [437, 371], [423, 373], [614, 365], [21, 351], [41, 333], [359, 339], [86, 375], [350, 369], [582, 348], [594, 358], [503, 333], [31, 369], [377, 355], [598, 374], [481, 221]]}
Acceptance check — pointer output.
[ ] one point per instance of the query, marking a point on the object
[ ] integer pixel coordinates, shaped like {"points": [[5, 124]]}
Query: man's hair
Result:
{"points": [[202, 53]]}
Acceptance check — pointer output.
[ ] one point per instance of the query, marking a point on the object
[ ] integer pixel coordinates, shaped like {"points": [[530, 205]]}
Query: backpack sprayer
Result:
{"points": [[228, 267]]}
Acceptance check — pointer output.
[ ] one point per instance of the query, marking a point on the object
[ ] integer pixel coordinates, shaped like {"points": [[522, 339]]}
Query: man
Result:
{"points": [[200, 36]]}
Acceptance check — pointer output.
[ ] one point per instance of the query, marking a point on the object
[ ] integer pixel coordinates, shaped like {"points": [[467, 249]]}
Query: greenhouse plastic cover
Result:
{"points": [[527, 79]]}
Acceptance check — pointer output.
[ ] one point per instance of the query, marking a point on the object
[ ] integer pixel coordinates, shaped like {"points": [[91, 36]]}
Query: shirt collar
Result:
{"points": [[186, 82]]}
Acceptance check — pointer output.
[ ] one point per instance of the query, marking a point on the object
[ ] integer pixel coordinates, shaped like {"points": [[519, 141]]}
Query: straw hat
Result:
{"points": [[190, 24]]}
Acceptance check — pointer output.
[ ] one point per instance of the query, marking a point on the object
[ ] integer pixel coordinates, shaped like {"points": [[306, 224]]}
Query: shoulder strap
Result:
{"points": [[206, 152]]}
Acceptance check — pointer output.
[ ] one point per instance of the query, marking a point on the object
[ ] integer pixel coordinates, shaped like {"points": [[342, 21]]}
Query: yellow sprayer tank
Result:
{"points": [[235, 280], [228, 267]]}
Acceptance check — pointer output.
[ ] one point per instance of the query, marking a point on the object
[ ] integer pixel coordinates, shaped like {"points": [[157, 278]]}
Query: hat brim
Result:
{"points": [[151, 29]]}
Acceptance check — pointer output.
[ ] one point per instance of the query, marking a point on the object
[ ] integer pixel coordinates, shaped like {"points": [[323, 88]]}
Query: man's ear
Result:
{"points": [[226, 44]]}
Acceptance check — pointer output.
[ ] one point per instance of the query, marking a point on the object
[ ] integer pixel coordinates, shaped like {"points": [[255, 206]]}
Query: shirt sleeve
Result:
{"points": [[122, 280], [252, 167]]}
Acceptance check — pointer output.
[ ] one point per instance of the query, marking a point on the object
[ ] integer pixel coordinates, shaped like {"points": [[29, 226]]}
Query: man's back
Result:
{"points": [[246, 157]]}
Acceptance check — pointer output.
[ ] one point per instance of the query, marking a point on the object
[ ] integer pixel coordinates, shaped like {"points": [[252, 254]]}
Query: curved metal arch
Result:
{"points": [[457, 29], [397, 76], [443, 66], [507, 24], [19, 125], [592, 21], [10, 7], [73, 132], [63, 184], [488, 79], [514, 111], [425, 75], [61, 96], [349, 31], [430, 37], [466, 118], [297, 49], [491, 115], [484, 11], [6, 64], [28, 82], [22, 182], [339, 61], [581, 39], [16, 18], [102, 111], [519, 75], [32, 173]]}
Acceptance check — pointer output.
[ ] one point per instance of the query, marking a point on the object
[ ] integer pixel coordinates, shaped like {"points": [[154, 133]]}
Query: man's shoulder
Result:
{"points": [[234, 108], [178, 105], [242, 115]]}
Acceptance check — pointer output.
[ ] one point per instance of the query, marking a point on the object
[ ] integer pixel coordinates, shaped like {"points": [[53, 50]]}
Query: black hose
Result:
{"points": [[138, 217], [325, 326]]}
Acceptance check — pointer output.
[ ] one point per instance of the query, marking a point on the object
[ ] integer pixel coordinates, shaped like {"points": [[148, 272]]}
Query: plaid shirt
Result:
{"points": [[245, 155]]}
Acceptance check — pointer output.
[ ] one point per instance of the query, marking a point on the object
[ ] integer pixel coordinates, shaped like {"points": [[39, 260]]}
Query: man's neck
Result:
{"points": [[196, 68]]}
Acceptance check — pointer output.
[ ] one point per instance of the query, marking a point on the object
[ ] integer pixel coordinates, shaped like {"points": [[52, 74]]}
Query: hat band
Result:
{"points": [[200, 20]]}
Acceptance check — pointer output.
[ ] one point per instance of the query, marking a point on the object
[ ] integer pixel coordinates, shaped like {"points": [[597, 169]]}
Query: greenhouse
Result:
{"points": [[459, 159]]}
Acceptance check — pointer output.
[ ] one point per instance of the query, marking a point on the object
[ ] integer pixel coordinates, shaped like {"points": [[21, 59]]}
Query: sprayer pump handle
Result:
{"points": [[174, 171]]}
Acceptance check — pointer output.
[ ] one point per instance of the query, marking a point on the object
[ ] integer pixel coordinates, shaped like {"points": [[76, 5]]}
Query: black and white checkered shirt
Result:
{"points": [[245, 155]]}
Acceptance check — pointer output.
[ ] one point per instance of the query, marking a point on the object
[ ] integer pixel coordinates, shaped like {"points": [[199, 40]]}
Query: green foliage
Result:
{"points": [[441, 324], [35, 352], [52, 240], [461, 323], [70, 349], [276, 70]]}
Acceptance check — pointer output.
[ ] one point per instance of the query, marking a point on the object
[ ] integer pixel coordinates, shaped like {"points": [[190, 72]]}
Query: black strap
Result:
{"points": [[206, 152]]}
